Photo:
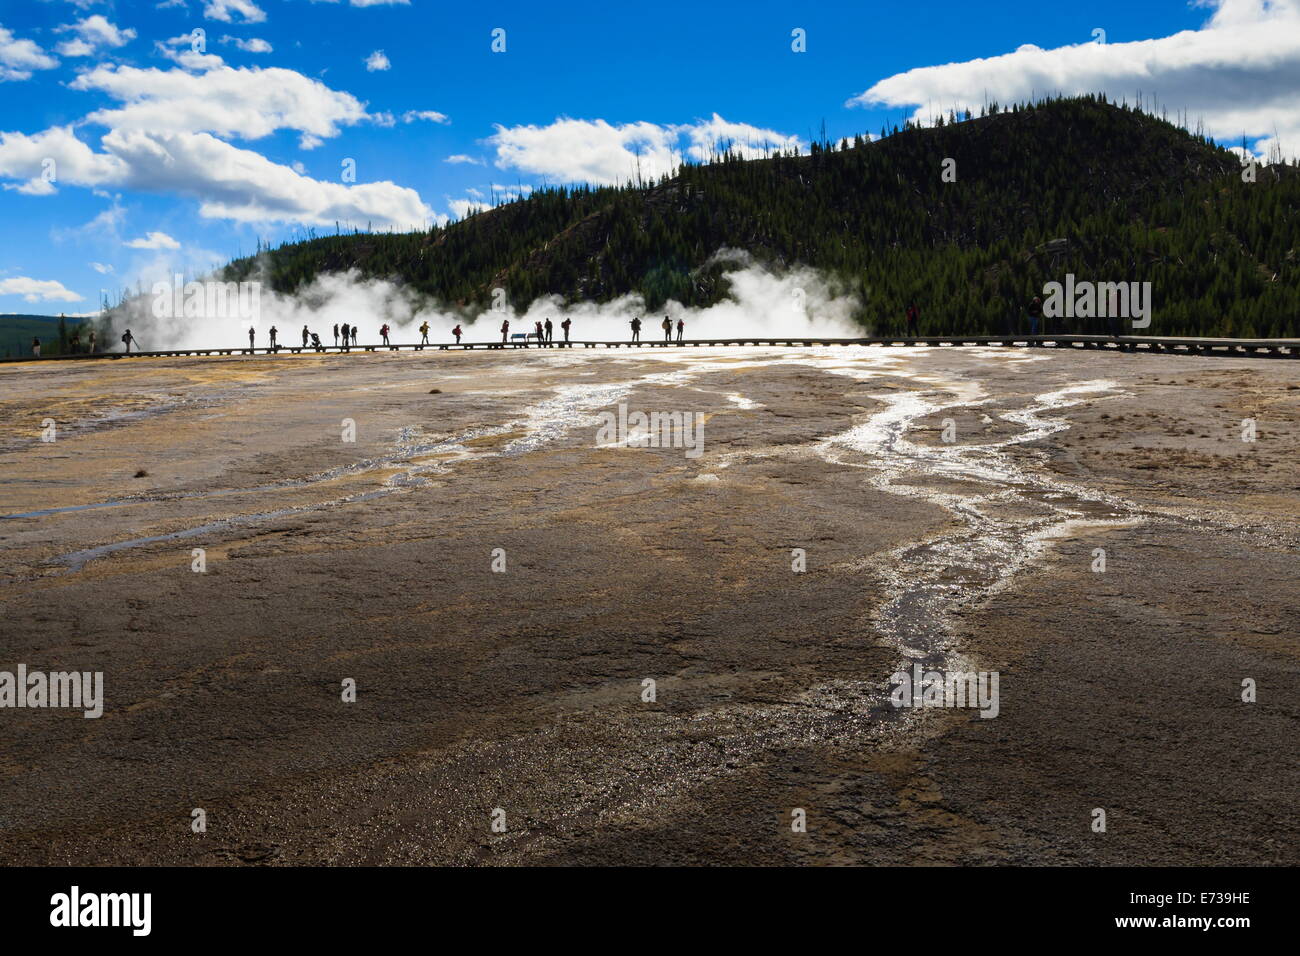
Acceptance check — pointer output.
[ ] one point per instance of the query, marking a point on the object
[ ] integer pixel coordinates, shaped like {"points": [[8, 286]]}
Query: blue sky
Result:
{"points": [[130, 147]]}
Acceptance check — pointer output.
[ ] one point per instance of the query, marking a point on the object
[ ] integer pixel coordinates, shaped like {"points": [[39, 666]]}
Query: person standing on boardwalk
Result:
{"points": [[424, 332], [127, 338], [913, 319], [305, 333], [252, 335], [383, 332], [36, 347], [456, 332], [541, 336], [565, 325], [550, 331], [347, 329], [92, 341], [272, 334], [636, 329], [505, 330], [667, 326], [681, 328], [336, 335], [1035, 311], [355, 329]]}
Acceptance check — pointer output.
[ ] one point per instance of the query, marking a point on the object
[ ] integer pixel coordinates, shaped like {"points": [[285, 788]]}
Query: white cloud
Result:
{"points": [[228, 182], [224, 10], [154, 240], [1240, 73], [462, 158], [18, 58], [37, 290], [377, 62], [102, 268], [245, 102], [92, 34], [251, 45], [411, 116], [379, 3], [598, 152]]}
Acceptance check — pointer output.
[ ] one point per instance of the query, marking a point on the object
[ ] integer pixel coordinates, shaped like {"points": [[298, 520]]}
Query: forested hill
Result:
{"points": [[1136, 198]]}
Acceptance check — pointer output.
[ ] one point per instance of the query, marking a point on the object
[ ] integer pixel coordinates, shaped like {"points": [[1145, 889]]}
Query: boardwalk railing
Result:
{"points": [[1122, 343]]}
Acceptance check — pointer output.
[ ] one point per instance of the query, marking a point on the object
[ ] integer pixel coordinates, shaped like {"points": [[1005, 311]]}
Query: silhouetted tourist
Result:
{"points": [[127, 339], [636, 329], [304, 336], [681, 327], [383, 332], [1035, 311], [424, 332], [347, 330], [354, 335], [252, 335], [336, 335], [550, 331], [272, 333], [565, 325], [456, 332], [505, 330]]}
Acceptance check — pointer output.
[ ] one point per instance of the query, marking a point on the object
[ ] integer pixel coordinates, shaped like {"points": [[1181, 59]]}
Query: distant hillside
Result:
{"points": [[1136, 198]]}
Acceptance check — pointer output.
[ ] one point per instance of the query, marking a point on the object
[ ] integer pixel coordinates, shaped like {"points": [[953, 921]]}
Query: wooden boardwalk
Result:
{"points": [[1274, 348]]}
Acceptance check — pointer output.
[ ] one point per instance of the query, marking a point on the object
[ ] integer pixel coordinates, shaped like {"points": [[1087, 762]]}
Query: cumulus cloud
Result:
{"points": [[377, 62], [459, 158], [251, 45], [244, 102], [1240, 73], [154, 240], [411, 116], [37, 290], [18, 58], [92, 34], [234, 11], [228, 182], [603, 153]]}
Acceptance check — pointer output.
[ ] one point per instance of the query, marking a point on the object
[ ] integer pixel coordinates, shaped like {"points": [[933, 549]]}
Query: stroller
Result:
{"points": [[315, 342]]}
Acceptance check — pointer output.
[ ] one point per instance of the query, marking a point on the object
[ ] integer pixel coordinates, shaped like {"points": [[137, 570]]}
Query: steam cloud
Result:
{"points": [[761, 302]]}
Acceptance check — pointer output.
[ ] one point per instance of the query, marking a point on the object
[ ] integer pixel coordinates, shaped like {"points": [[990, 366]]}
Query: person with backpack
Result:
{"points": [[383, 332], [347, 330], [127, 338], [667, 326], [456, 332], [1035, 311], [636, 329], [565, 325], [505, 330], [681, 328], [424, 332]]}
